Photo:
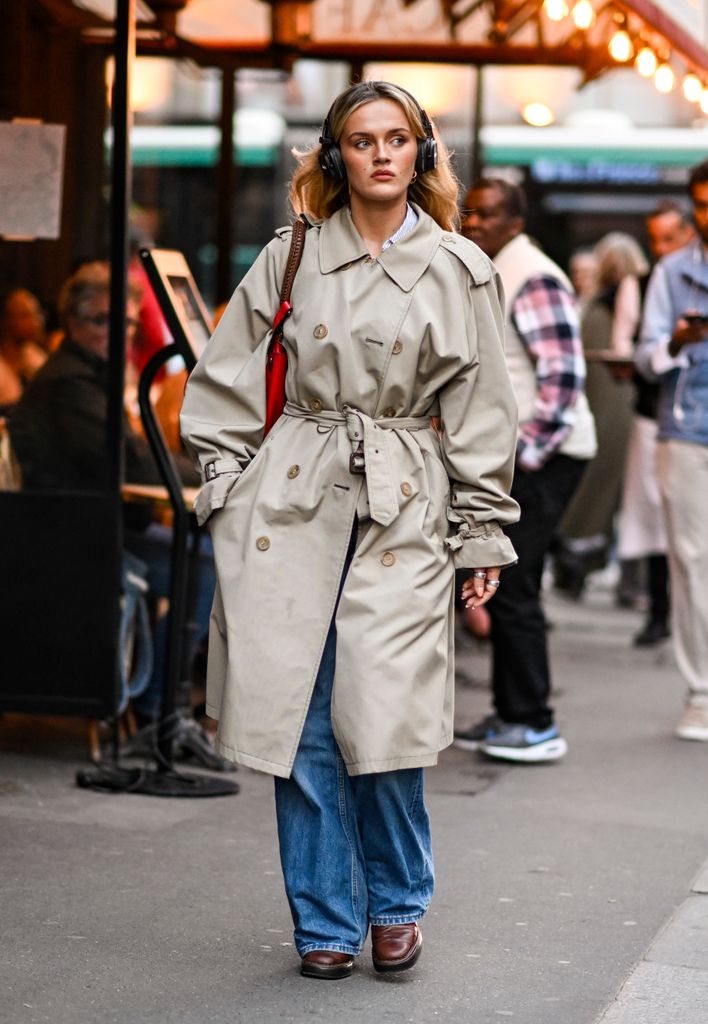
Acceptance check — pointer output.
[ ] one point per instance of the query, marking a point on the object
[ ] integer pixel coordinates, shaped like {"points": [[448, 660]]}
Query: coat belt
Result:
{"points": [[369, 434]]}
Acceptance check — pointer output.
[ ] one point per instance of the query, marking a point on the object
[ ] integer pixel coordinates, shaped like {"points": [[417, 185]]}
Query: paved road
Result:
{"points": [[567, 894]]}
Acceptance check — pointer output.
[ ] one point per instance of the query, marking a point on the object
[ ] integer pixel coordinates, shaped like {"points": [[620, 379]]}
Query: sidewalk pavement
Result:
{"points": [[572, 893]]}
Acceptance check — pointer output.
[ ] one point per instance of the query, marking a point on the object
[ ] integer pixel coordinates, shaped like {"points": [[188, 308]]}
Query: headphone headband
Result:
{"points": [[330, 157]]}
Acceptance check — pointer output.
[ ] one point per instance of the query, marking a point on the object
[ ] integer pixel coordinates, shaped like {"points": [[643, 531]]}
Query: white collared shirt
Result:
{"points": [[409, 222]]}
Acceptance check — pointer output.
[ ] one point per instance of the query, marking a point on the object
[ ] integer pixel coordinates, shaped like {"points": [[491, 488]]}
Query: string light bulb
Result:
{"points": [[583, 14], [556, 10], [703, 101], [664, 78], [620, 46], [646, 62], [692, 88], [538, 114]]}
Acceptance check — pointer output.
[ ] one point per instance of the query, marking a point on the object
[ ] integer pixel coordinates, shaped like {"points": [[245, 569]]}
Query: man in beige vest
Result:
{"points": [[556, 438]]}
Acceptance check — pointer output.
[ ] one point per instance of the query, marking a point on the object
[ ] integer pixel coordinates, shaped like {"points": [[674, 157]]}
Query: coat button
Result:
{"points": [[293, 471], [388, 413], [448, 238], [397, 346], [316, 405], [320, 332], [388, 558], [263, 543], [406, 488]]}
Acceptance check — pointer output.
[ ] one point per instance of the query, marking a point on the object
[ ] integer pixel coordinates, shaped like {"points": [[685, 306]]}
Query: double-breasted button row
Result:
{"points": [[397, 346], [315, 405], [406, 489], [320, 332], [263, 543], [388, 558], [293, 471]]}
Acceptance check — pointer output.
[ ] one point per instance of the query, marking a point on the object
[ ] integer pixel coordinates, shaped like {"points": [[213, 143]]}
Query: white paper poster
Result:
{"points": [[31, 176]]}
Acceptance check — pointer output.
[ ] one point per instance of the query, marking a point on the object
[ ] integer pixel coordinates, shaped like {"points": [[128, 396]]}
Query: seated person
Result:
{"points": [[21, 335], [58, 433]]}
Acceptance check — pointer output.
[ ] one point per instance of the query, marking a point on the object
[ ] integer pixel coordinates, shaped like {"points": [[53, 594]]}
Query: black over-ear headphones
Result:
{"points": [[330, 156]]}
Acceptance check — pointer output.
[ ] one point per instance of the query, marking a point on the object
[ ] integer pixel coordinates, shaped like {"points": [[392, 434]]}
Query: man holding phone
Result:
{"points": [[674, 351]]}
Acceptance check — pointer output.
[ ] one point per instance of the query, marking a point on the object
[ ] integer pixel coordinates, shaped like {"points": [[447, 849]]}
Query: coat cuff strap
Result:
{"points": [[218, 466]]}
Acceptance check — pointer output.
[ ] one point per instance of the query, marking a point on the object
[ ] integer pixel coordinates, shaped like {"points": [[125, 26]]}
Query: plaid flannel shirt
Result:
{"points": [[545, 317]]}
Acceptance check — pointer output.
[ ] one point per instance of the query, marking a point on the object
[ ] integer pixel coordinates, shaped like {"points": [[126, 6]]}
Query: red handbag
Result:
{"points": [[277, 360]]}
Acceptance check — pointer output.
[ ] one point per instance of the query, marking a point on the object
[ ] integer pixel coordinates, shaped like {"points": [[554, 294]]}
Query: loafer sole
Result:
{"points": [[389, 966], [331, 973]]}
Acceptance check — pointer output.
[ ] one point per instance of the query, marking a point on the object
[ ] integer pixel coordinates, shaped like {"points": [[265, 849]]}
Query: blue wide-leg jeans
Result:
{"points": [[354, 850]]}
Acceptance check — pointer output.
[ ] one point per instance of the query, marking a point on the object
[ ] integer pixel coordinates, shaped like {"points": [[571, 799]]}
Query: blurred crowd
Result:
{"points": [[610, 366]]}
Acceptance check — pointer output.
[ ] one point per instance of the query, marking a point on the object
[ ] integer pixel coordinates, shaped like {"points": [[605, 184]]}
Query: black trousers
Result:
{"points": [[659, 605], [521, 679]]}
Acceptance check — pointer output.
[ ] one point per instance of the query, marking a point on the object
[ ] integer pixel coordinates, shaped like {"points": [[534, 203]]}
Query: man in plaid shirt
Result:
{"points": [[556, 438]]}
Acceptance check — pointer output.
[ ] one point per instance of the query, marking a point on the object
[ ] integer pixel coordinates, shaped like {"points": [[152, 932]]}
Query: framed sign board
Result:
{"points": [[180, 301]]}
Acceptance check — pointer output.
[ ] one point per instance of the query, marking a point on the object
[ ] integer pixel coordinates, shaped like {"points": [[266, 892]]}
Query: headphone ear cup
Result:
{"points": [[427, 158], [331, 161]]}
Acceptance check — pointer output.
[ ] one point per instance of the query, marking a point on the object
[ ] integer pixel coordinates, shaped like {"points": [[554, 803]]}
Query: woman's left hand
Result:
{"points": [[480, 586]]}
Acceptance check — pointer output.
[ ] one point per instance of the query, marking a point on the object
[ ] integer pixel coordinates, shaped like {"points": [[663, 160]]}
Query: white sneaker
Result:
{"points": [[693, 724]]}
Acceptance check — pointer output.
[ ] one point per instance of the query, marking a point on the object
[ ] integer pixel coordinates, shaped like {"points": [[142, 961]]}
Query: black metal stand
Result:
{"points": [[163, 780], [172, 732]]}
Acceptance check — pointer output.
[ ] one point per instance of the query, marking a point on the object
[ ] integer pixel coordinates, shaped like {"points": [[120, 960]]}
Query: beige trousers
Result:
{"points": [[682, 469]]}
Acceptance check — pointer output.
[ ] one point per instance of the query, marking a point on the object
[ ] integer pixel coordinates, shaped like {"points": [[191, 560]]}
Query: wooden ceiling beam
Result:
{"points": [[66, 15], [509, 16]]}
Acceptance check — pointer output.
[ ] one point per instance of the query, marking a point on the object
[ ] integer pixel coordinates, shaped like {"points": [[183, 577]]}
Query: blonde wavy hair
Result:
{"points": [[312, 192], [618, 255]]}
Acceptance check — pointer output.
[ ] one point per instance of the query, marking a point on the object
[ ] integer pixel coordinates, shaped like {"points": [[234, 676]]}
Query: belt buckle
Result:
{"points": [[357, 464], [210, 471]]}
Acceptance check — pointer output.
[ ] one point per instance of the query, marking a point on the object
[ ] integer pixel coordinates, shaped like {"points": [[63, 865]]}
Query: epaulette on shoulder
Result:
{"points": [[285, 232], [469, 254]]}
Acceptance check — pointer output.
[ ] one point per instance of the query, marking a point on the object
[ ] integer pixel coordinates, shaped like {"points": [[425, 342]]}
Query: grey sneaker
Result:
{"points": [[470, 739], [522, 743], [693, 724]]}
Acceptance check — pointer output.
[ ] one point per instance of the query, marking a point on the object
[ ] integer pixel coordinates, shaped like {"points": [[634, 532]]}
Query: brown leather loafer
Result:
{"points": [[327, 964], [396, 947]]}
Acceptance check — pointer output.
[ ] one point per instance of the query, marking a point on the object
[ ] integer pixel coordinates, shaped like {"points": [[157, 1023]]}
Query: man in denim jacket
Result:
{"points": [[674, 351]]}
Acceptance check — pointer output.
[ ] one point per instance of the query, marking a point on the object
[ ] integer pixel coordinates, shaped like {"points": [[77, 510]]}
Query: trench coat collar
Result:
{"points": [[404, 262]]}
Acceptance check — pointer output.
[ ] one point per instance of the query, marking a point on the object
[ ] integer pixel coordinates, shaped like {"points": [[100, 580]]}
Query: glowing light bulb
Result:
{"points": [[556, 10], [584, 14], [620, 47], [692, 88], [646, 62], [538, 115], [664, 78]]}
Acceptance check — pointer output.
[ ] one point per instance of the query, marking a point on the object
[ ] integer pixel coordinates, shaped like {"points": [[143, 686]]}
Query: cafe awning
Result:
{"points": [[594, 35]]}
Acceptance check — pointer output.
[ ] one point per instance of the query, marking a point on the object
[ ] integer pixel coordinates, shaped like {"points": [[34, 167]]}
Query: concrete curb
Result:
{"points": [[670, 983]]}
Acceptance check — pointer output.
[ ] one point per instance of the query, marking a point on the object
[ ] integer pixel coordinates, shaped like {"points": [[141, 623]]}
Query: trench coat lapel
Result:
{"points": [[404, 262]]}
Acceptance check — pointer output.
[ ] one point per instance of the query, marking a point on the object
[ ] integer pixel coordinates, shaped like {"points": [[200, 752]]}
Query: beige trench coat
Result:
{"points": [[376, 347]]}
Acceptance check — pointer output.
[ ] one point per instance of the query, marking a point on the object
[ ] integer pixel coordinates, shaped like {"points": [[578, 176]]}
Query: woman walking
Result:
{"points": [[337, 536]]}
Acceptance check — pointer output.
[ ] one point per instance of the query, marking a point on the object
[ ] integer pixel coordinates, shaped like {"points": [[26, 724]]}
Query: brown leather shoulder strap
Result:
{"points": [[297, 244]]}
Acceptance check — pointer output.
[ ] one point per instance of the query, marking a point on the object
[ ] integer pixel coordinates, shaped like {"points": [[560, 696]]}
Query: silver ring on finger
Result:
{"points": [[493, 583], [480, 575]]}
